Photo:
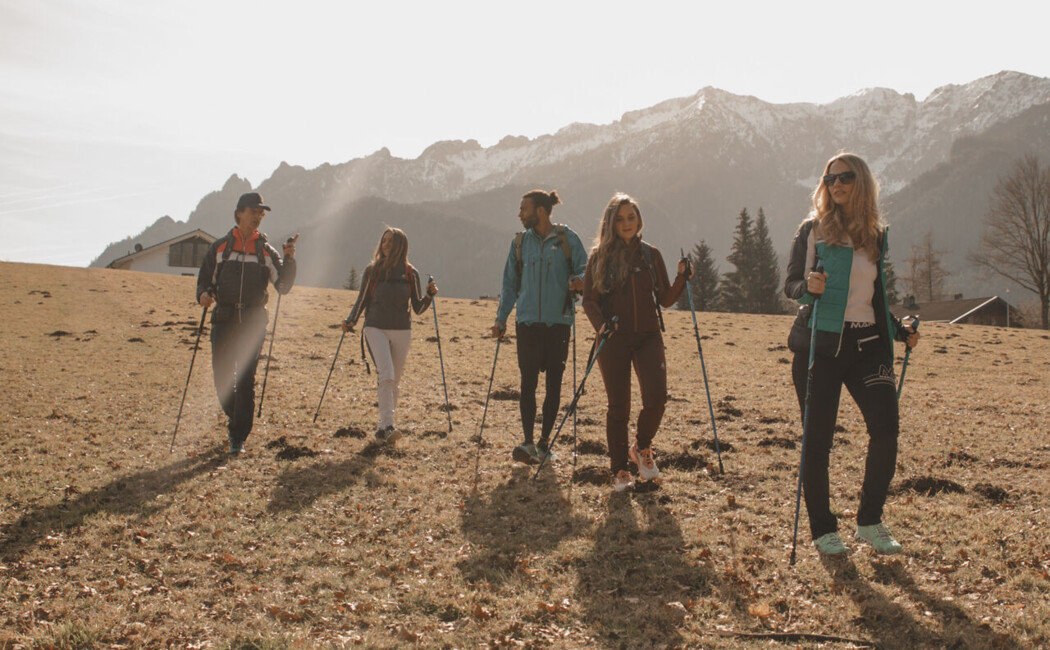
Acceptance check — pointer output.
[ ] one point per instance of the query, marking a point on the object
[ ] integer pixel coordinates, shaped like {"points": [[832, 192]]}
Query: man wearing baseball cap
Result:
{"points": [[234, 277]]}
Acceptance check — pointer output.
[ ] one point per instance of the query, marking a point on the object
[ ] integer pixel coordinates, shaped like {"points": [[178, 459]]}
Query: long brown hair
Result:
{"points": [[383, 265], [861, 222], [609, 253]]}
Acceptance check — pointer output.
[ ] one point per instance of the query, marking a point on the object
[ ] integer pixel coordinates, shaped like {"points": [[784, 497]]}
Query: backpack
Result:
{"points": [[260, 247]]}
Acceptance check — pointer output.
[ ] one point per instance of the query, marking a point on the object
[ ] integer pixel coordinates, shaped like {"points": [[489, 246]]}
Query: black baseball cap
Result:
{"points": [[251, 200]]}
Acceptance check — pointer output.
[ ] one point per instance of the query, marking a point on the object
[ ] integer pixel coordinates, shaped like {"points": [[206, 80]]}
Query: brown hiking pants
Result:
{"points": [[645, 351]]}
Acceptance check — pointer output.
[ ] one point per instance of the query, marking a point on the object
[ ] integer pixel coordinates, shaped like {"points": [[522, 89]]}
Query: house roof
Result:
{"points": [[189, 235], [944, 311]]}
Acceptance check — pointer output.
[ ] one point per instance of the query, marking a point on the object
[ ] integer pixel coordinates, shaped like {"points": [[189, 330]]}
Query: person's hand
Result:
{"points": [[206, 300], [576, 284], [815, 283], [913, 337], [347, 326], [432, 288], [497, 330], [685, 269], [289, 247], [609, 327]]}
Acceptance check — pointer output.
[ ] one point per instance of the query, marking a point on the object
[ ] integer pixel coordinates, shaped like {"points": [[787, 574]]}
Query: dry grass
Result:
{"points": [[320, 537]]}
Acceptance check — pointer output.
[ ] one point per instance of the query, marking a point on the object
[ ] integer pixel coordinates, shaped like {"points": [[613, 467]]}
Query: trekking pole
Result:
{"points": [[599, 343], [269, 353], [805, 411], [196, 345], [437, 332], [325, 389], [481, 430], [907, 354], [703, 368], [573, 383], [273, 332]]}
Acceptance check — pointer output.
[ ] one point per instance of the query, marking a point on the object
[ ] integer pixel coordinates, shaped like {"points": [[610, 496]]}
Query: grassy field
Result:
{"points": [[320, 537]]}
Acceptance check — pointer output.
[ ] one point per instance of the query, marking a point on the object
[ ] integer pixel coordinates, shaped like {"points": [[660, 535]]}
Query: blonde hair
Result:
{"points": [[382, 265], [609, 253], [860, 223]]}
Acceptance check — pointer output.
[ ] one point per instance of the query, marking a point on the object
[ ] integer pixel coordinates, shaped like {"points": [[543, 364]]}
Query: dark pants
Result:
{"points": [[235, 349], [645, 351], [541, 348], [867, 372]]}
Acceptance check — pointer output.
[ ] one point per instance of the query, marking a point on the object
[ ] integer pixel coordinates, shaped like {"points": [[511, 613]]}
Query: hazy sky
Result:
{"points": [[116, 112]]}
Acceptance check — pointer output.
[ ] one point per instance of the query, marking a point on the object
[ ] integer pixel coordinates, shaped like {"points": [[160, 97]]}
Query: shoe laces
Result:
{"points": [[883, 532], [646, 456]]}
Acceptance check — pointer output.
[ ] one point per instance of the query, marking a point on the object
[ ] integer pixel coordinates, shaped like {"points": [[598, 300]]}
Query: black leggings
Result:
{"points": [[541, 347], [866, 369]]}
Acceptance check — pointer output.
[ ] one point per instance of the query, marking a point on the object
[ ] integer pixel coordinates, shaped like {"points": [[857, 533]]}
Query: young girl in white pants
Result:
{"points": [[389, 287]]}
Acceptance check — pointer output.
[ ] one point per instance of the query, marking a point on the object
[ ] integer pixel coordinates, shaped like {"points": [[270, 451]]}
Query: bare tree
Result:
{"points": [[926, 272], [1016, 240]]}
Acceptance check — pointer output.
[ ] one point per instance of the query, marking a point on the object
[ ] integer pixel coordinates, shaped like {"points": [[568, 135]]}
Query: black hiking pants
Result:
{"points": [[235, 349], [541, 348], [866, 369]]}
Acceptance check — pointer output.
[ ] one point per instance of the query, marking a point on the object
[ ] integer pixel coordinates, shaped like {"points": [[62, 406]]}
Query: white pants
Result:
{"points": [[389, 352]]}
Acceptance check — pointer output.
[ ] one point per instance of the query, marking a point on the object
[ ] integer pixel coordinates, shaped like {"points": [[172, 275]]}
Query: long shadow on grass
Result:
{"points": [[299, 486], [516, 521], [132, 494], [893, 627], [634, 572]]}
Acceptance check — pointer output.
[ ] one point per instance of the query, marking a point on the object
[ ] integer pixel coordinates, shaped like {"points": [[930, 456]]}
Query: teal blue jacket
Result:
{"points": [[838, 263], [543, 294]]}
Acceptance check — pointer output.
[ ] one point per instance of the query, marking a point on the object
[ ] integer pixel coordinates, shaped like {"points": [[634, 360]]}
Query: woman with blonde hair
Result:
{"points": [[626, 278], [854, 344], [389, 285]]}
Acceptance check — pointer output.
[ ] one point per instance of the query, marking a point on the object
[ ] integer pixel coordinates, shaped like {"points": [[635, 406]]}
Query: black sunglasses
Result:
{"points": [[847, 178]]}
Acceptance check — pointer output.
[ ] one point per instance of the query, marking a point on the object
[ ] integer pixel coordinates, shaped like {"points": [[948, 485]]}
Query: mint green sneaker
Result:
{"points": [[880, 538], [543, 449], [830, 544], [526, 453]]}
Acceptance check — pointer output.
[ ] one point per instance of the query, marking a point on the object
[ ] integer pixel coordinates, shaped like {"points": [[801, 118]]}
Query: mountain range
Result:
{"points": [[692, 162]]}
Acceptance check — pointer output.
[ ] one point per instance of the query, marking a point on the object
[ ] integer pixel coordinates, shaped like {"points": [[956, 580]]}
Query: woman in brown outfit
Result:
{"points": [[625, 278]]}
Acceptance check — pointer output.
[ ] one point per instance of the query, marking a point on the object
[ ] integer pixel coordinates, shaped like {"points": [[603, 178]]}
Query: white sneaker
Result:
{"points": [[830, 544], [643, 458], [622, 481], [879, 537]]}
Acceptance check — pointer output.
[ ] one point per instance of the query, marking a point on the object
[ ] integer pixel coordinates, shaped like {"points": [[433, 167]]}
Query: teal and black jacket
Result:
{"points": [[542, 296], [838, 262]]}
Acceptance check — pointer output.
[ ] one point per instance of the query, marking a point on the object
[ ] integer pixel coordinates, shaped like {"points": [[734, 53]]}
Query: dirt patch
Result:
{"points": [[451, 407], [60, 333], [993, 493], [682, 461], [350, 432], [289, 452], [778, 441], [506, 394], [709, 444], [591, 476], [592, 447], [930, 486], [434, 433], [960, 457]]}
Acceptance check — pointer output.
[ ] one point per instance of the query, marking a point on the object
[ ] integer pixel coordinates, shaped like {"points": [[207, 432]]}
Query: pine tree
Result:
{"points": [[704, 283], [353, 283], [765, 293], [735, 286]]}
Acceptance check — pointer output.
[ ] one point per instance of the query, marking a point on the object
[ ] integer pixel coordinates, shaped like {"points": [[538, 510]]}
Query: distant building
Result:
{"points": [[965, 311], [180, 255]]}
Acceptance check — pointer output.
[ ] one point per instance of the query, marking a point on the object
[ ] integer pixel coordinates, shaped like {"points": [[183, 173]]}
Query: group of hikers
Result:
{"points": [[836, 260]]}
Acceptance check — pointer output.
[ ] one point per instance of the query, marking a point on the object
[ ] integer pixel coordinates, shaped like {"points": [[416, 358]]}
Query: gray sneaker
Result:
{"points": [[526, 453], [830, 544], [390, 435], [880, 538], [543, 449]]}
